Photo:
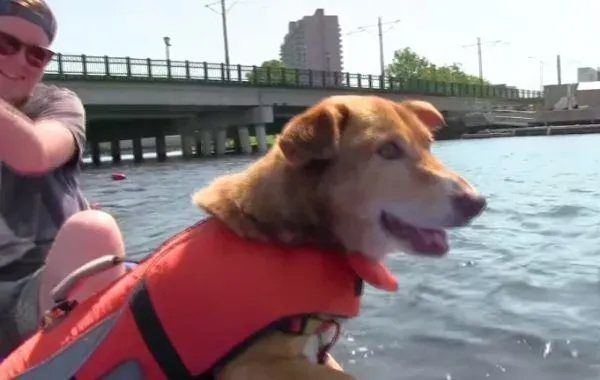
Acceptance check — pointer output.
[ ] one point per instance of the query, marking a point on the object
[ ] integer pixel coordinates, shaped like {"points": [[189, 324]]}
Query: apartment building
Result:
{"points": [[313, 43]]}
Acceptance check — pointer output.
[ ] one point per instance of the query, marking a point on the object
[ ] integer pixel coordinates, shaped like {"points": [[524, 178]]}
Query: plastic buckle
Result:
{"points": [[57, 313]]}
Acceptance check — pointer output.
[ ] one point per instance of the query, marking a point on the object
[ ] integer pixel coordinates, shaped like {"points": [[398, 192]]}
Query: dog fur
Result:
{"points": [[331, 175]]}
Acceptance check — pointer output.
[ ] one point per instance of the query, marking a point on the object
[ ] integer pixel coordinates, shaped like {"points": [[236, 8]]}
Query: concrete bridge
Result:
{"points": [[128, 98]]}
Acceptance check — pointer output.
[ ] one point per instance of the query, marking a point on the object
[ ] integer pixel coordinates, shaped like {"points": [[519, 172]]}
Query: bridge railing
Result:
{"points": [[126, 68]]}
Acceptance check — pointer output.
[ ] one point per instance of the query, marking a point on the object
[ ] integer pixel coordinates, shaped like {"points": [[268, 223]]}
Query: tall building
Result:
{"points": [[587, 74], [313, 43]]}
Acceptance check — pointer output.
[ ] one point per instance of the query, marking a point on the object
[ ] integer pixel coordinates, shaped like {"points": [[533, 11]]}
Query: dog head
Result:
{"points": [[372, 172]]}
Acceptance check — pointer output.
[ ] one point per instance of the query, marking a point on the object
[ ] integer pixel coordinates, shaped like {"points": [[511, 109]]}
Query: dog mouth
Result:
{"points": [[422, 241]]}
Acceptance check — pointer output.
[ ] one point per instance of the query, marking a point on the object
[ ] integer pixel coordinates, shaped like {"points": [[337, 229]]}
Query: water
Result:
{"points": [[518, 298]]}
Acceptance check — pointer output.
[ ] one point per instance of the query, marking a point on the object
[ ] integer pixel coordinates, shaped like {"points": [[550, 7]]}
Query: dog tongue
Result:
{"points": [[373, 272]]}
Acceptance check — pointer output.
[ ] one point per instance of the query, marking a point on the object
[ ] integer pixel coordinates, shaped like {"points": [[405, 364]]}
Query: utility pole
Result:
{"points": [[380, 33], [480, 59], [558, 69], [223, 14], [479, 44], [381, 60], [542, 63], [225, 37]]}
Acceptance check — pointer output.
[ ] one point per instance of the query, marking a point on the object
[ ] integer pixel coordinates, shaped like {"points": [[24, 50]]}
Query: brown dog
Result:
{"points": [[354, 173]]}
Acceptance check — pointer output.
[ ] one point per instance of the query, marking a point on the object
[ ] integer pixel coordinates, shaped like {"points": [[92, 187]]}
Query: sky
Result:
{"points": [[520, 38]]}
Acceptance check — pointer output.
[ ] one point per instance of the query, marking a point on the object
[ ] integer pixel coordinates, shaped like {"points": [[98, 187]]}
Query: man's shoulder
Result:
{"points": [[47, 97]]}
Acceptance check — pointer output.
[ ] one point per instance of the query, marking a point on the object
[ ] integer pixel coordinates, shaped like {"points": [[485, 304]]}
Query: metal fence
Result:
{"points": [[66, 67]]}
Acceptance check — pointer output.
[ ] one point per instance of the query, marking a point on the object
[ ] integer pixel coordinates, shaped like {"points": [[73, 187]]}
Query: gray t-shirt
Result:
{"points": [[33, 208]]}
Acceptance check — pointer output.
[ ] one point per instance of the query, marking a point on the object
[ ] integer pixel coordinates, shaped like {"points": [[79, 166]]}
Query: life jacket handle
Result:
{"points": [[74, 279]]}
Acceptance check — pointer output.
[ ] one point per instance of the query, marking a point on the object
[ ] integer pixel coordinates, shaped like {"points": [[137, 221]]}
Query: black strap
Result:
{"points": [[155, 337], [359, 287]]}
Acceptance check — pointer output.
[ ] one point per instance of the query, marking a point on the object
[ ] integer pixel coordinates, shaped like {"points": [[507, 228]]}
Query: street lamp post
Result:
{"points": [[167, 41], [541, 71]]}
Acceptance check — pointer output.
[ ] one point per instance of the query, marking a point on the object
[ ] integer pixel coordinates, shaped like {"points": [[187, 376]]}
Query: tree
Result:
{"points": [[408, 65], [272, 72]]}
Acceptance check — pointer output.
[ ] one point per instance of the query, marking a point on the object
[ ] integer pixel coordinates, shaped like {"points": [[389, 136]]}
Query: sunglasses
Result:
{"points": [[36, 56]]}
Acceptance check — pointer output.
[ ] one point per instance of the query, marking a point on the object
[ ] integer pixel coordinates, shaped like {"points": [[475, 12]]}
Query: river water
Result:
{"points": [[518, 298]]}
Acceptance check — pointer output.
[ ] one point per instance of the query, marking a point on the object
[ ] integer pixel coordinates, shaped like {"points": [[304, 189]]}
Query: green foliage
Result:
{"points": [[408, 65], [272, 72]]}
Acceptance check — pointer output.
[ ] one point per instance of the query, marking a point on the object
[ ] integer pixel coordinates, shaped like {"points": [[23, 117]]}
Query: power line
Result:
{"points": [[367, 28], [211, 4]]}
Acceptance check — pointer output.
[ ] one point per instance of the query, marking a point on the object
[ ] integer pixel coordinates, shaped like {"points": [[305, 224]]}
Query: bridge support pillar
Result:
{"points": [[187, 132], [220, 141], [187, 144], [260, 131], [95, 150], [237, 146], [220, 121], [138, 150], [161, 147], [244, 137], [115, 150], [204, 147]]}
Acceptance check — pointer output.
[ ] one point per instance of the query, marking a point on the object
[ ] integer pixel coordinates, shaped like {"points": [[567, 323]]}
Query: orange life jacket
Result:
{"points": [[193, 305]]}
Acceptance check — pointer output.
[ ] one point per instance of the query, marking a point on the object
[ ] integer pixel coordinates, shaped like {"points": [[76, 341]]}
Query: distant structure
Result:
{"points": [[313, 43], [587, 74], [585, 93]]}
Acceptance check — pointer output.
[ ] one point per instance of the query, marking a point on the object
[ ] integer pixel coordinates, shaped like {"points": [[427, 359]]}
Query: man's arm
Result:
{"points": [[56, 136]]}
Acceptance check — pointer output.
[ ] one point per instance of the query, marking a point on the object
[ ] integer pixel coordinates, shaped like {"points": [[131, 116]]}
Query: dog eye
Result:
{"points": [[390, 151]]}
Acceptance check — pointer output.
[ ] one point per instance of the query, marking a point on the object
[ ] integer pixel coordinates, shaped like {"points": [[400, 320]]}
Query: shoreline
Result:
{"points": [[561, 130]]}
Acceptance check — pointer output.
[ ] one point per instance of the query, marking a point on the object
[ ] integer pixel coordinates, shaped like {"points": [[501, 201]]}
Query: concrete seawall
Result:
{"points": [[536, 131], [173, 143]]}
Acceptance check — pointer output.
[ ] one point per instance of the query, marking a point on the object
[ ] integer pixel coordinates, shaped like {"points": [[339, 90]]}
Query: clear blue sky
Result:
{"points": [[437, 29]]}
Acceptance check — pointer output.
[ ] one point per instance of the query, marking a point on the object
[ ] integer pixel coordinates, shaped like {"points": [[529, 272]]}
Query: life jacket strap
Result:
{"points": [[312, 325], [326, 346], [156, 339], [305, 324]]}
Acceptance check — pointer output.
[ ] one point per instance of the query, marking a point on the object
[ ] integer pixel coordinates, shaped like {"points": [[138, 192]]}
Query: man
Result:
{"points": [[46, 230]]}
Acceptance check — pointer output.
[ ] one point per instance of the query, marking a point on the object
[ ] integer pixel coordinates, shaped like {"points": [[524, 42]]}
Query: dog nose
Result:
{"points": [[469, 205]]}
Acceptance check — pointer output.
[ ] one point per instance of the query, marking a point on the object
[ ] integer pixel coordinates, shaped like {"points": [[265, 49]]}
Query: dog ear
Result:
{"points": [[427, 113], [314, 134]]}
